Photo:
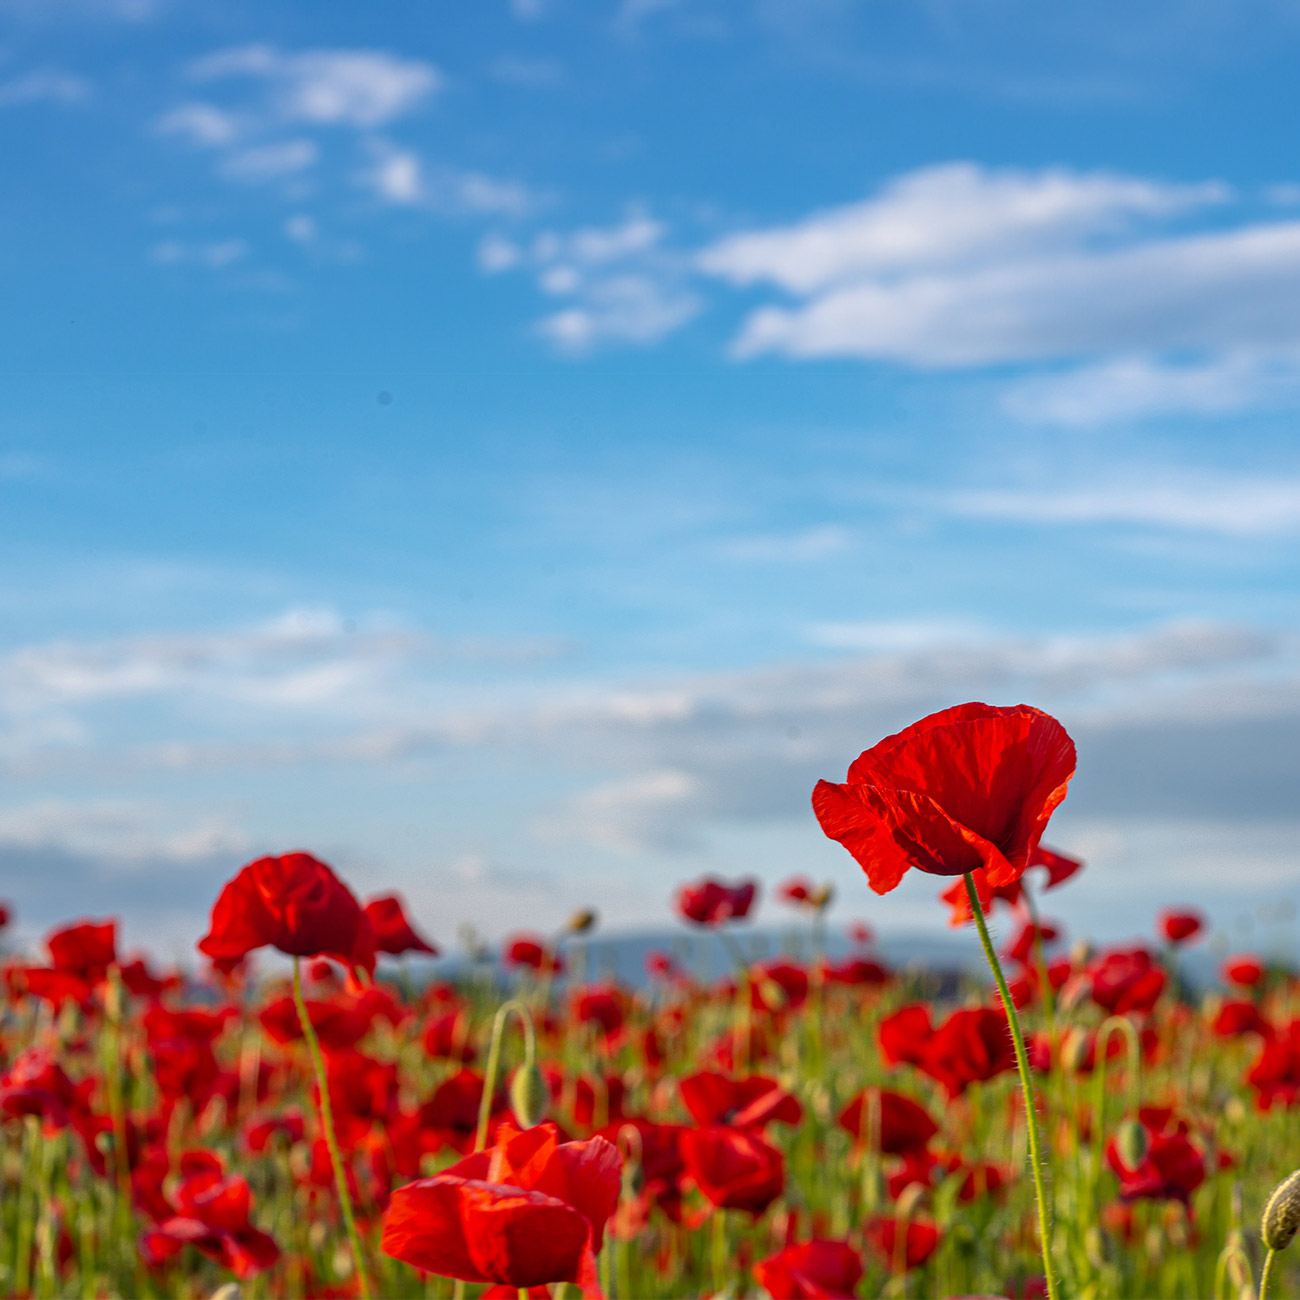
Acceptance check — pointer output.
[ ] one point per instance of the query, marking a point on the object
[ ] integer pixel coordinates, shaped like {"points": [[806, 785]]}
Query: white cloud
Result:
{"points": [[1229, 289], [270, 162], [1233, 506], [893, 635], [959, 266], [301, 228], [496, 253], [360, 88], [44, 86], [214, 254], [201, 124], [808, 544], [537, 74], [400, 177], [1137, 387], [122, 833], [395, 175], [953, 215], [628, 816], [620, 309], [627, 288]]}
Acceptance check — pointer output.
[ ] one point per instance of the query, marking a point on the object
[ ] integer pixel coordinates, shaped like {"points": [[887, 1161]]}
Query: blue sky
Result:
{"points": [[514, 449]]}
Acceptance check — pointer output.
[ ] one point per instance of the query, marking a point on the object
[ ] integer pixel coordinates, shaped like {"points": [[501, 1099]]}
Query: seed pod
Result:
{"points": [[529, 1096], [1282, 1213], [1132, 1142]]}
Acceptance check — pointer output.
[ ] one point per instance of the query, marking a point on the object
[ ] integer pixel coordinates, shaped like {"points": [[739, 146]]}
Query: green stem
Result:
{"points": [[494, 1062], [719, 1252], [1026, 1086], [1266, 1275], [327, 1123]]}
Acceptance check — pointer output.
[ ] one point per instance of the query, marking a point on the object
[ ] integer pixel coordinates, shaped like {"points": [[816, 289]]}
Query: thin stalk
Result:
{"points": [[1266, 1276], [718, 1262], [1026, 1086], [327, 1123], [494, 1062]]}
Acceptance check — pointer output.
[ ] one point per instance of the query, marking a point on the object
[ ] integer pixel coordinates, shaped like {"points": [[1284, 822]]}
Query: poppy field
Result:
{"points": [[1080, 1122]]}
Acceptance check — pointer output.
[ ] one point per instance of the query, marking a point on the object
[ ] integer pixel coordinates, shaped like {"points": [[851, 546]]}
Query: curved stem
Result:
{"points": [[327, 1123], [1266, 1275], [1026, 1085], [494, 1061]]}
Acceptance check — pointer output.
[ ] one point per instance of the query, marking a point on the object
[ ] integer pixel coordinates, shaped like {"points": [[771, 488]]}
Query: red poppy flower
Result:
{"points": [[532, 952], [1245, 972], [294, 903], [908, 1245], [959, 900], [1275, 1074], [214, 1218], [448, 1036], [711, 901], [904, 1036], [811, 1270], [972, 1045], [1060, 866], [1236, 1019], [903, 1125], [1021, 948], [778, 986], [859, 932], [1124, 980], [603, 1006], [1171, 1170], [970, 787], [752, 1102], [797, 890], [736, 1169], [450, 1116], [1179, 927], [394, 933], [87, 949], [855, 972], [338, 1023], [532, 1210]]}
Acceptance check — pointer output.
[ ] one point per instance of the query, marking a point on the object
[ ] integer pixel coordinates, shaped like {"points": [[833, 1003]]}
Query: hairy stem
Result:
{"points": [[331, 1140], [1026, 1086]]}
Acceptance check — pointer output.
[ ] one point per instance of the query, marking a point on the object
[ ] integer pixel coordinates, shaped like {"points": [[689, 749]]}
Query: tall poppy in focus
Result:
{"points": [[528, 1212], [969, 787], [294, 903]]}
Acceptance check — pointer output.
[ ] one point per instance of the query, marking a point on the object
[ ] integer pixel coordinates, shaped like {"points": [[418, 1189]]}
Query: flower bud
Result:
{"points": [[1132, 1142], [1282, 1213], [1074, 1049], [530, 1098], [820, 898], [581, 921], [911, 1199]]}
